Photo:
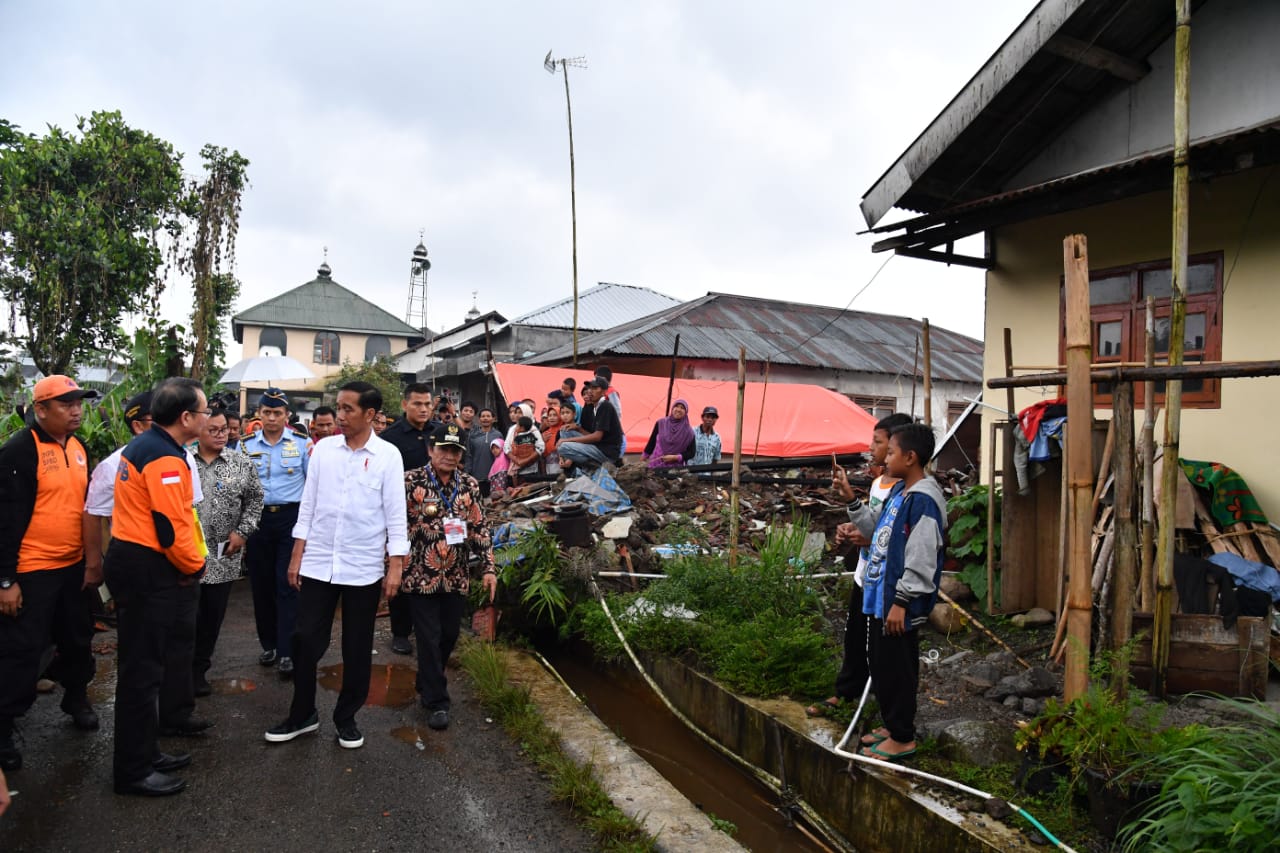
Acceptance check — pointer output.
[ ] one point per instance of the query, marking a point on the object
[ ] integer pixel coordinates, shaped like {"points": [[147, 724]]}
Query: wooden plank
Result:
{"points": [[1270, 543], [1018, 521], [1204, 656], [1244, 541]]}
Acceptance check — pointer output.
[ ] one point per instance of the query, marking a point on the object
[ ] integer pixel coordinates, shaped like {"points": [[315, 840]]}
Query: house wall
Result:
{"points": [[1232, 41], [300, 345], [1023, 294]]}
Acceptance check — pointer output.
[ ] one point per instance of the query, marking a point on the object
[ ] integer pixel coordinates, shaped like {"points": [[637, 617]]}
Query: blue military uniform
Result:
{"points": [[282, 470]]}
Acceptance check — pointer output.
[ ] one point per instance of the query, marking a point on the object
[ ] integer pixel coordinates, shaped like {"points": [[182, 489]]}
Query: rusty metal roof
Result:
{"points": [[716, 325]]}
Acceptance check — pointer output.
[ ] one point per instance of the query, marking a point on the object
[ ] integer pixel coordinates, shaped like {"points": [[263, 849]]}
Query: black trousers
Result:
{"points": [[437, 619], [177, 691], [275, 603], [316, 604], [52, 606], [210, 611], [854, 670], [895, 676], [149, 594], [401, 618]]}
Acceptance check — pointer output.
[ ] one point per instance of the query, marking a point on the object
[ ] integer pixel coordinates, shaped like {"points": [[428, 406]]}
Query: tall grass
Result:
{"points": [[1221, 789]]}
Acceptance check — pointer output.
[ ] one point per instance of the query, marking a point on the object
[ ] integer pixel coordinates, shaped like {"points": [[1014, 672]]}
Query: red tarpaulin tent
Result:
{"points": [[801, 420]]}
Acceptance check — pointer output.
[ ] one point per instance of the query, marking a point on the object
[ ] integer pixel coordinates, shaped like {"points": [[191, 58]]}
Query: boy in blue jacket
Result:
{"points": [[901, 585]]}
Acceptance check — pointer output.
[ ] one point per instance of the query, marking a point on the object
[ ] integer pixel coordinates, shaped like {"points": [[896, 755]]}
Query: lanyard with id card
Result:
{"points": [[455, 531]]}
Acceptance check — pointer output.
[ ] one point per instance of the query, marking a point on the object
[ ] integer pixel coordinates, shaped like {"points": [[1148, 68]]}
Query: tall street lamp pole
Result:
{"points": [[550, 65]]}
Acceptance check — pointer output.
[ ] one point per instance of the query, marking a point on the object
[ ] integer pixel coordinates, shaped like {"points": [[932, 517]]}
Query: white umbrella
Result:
{"points": [[266, 368]]}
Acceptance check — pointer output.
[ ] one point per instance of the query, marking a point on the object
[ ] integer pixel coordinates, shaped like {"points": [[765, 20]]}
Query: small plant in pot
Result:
{"points": [[1096, 738]]}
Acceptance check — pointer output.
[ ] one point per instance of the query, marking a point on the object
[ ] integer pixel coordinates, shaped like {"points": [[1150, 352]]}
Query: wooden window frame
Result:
{"points": [[327, 348], [1132, 316], [871, 403]]}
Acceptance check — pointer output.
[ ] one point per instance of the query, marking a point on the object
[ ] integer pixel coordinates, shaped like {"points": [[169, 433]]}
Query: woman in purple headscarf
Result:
{"points": [[672, 442]]}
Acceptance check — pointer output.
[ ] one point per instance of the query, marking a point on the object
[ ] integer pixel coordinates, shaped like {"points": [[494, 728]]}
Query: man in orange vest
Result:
{"points": [[44, 472], [154, 561]]}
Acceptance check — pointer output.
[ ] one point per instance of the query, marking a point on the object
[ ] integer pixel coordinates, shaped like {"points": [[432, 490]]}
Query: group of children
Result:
{"points": [[900, 530]]}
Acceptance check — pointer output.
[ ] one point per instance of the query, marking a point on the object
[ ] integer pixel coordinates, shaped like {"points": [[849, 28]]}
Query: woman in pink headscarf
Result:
{"points": [[672, 442]]}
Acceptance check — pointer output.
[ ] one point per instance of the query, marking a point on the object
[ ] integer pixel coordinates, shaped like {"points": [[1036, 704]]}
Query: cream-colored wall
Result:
{"points": [[1023, 294], [300, 345]]}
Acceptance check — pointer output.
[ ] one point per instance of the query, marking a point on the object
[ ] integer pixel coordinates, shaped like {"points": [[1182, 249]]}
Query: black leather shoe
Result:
{"points": [[189, 727], [169, 762], [438, 720], [156, 785], [82, 713], [401, 646], [267, 658], [201, 687], [286, 668]]}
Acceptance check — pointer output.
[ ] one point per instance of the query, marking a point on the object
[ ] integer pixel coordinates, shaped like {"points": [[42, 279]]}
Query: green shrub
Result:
{"points": [[967, 538], [1221, 789]]}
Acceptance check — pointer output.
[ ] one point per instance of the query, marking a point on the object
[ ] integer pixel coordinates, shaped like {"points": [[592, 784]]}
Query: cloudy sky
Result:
{"points": [[720, 146]]}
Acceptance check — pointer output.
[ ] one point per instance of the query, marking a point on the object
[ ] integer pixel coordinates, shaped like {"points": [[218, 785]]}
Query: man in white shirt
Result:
{"points": [[352, 513]]}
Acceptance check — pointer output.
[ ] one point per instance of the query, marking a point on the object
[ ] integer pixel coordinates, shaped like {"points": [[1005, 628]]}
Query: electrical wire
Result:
{"points": [[776, 784], [839, 313]]}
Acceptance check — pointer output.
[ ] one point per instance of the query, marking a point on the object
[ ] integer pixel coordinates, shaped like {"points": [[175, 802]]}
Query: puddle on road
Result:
{"points": [[232, 686], [418, 737], [102, 690], [390, 685]]}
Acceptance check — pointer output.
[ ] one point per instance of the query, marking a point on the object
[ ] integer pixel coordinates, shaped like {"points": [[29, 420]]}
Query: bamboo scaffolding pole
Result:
{"points": [[915, 374], [1124, 579], [928, 372], [764, 396], [991, 515], [671, 383], [1170, 372], [1147, 582], [1075, 250], [736, 482], [1170, 471]]}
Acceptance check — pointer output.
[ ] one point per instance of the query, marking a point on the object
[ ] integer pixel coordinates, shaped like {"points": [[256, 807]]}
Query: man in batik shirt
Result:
{"points": [[447, 529], [229, 514]]}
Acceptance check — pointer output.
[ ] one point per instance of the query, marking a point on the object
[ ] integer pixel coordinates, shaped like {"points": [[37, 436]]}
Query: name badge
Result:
{"points": [[455, 531], [290, 451]]}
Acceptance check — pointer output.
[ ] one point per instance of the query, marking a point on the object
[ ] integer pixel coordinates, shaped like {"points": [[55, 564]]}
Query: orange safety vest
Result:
{"points": [[54, 537]]}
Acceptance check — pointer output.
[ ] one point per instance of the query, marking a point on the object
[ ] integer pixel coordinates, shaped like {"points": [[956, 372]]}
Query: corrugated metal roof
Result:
{"points": [[716, 325], [322, 303], [601, 307]]}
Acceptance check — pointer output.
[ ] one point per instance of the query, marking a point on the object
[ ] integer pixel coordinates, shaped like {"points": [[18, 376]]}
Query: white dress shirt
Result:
{"points": [[352, 512]]}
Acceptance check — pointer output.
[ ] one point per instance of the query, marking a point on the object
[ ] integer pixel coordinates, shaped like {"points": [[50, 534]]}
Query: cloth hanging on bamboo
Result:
{"points": [[1249, 574], [1232, 502]]}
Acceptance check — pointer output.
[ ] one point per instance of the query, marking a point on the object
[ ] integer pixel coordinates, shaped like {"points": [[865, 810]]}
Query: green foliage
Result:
{"points": [[212, 207], [571, 783], [757, 629], [79, 217], [967, 537], [381, 373], [532, 567], [728, 827], [1221, 788]]}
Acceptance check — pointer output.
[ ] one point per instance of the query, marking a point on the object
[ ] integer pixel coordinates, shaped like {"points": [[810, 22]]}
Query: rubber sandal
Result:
{"points": [[891, 757], [872, 738], [823, 708]]}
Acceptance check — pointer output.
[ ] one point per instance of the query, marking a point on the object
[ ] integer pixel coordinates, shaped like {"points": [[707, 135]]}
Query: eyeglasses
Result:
{"points": [[200, 411], [218, 431]]}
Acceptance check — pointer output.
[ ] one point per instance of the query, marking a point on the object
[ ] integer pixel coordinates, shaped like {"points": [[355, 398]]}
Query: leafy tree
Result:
{"points": [[79, 221], [381, 373], [213, 208]]}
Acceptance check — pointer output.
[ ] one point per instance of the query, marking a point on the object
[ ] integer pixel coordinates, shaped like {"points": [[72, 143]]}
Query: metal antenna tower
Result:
{"points": [[550, 64], [415, 314]]}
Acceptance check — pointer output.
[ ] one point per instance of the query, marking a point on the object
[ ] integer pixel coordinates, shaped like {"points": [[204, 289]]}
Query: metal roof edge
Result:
{"points": [[1041, 24]]}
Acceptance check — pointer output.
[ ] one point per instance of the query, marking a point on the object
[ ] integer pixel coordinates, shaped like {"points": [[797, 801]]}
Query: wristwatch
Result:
{"points": [[5, 583]]}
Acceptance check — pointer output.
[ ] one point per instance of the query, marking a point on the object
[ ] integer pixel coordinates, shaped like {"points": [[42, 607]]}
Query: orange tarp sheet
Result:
{"points": [[800, 420]]}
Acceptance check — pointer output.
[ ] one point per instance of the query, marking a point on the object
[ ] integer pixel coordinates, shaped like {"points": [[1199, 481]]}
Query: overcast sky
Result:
{"points": [[720, 146]]}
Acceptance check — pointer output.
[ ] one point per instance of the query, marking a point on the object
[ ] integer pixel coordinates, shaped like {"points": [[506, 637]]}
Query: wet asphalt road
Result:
{"points": [[408, 788]]}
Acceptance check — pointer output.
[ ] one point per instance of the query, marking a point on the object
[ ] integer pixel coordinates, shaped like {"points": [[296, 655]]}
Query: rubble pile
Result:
{"points": [[673, 510]]}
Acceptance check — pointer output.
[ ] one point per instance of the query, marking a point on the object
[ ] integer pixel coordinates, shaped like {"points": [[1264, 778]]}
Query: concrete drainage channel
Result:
{"points": [[871, 810]]}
